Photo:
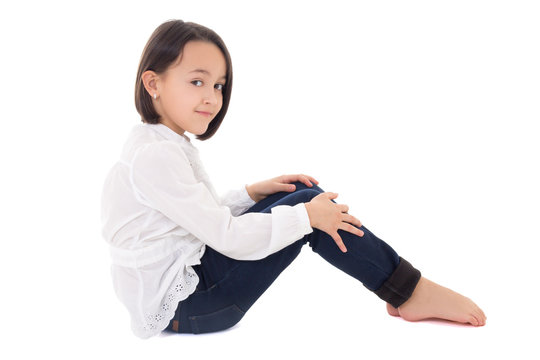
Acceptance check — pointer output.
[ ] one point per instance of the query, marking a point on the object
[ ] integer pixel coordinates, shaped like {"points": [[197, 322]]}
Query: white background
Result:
{"points": [[422, 115]]}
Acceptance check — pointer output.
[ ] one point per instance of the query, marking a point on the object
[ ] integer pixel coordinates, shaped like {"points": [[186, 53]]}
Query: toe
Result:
{"points": [[473, 320], [479, 314], [484, 317]]}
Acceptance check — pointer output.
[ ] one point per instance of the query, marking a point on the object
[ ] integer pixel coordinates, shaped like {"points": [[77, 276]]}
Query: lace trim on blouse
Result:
{"points": [[183, 286]]}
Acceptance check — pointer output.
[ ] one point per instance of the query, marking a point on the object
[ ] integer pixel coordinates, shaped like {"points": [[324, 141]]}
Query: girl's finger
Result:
{"points": [[353, 230], [339, 242], [290, 178], [285, 179], [287, 187], [311, 179], [352, 220], [331, 195], [306, 181], [301, 178]]}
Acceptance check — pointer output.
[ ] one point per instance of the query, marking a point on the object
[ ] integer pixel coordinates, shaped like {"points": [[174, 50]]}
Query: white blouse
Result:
{"points": [[159, 210]]}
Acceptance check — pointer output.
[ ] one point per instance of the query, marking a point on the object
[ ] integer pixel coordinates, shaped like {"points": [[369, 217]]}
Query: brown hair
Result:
{"points": [[163, 49]]}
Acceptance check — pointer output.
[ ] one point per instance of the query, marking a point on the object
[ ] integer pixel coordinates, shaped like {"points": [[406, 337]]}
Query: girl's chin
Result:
{"points": [[197, 131], [202, 130]]}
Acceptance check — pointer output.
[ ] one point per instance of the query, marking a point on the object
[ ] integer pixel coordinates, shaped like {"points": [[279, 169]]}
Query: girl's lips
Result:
{"points": [[204, 113]]}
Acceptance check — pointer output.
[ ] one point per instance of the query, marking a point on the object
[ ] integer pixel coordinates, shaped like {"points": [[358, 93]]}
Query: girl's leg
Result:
{"points": [[407, 293], [368, 259], [228, 287], [394, 280]]}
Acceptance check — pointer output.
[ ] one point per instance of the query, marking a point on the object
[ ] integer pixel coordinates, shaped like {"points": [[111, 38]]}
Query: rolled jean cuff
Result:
{"points": [[399, 287]]}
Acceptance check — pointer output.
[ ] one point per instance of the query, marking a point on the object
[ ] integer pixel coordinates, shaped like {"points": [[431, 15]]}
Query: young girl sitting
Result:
{"points": [[188, 261]]}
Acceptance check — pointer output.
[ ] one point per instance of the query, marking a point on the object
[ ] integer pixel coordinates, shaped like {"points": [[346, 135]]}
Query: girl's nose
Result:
{"points": [[210, 98]]}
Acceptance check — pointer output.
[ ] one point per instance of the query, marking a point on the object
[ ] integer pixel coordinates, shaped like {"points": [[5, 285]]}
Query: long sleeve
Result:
{"points": [[238, 200], [162, 177]]}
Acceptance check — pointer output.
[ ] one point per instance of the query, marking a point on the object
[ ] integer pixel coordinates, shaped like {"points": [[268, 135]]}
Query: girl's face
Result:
{"points": [[189, 92]]}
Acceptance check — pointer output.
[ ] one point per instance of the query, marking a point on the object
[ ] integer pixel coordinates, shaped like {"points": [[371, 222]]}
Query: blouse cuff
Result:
{"points": [[245, 198], [304, 224], [290, 223], [238, 201]]}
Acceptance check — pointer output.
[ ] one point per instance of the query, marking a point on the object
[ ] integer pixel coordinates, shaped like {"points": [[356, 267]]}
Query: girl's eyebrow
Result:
{"points": [[205, 72]]}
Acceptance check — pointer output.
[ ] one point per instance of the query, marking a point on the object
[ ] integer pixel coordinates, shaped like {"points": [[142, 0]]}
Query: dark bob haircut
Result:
{"points": [[163, 49]]}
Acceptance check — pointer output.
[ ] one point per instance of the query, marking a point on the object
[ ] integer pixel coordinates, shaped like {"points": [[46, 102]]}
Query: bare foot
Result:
{"points": [[430, 300]]}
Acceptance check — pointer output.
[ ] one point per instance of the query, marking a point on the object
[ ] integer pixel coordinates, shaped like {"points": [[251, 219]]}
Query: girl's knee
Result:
{"points": [[305, 195], [302, 186]]}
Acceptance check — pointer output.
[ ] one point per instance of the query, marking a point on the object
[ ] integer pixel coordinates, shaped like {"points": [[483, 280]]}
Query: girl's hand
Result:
{"points": [[260, 190], [330, 217]]}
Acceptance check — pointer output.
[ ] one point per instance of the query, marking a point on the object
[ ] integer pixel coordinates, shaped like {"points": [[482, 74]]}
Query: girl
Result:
{"points": [[188, 261]]}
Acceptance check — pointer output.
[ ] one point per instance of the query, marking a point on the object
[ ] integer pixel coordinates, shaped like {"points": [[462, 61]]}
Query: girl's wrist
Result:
{"points": [[250, 193], [309, 210]]}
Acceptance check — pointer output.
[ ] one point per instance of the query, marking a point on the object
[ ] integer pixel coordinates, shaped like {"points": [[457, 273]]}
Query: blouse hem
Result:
{"points": [[179, 291]]}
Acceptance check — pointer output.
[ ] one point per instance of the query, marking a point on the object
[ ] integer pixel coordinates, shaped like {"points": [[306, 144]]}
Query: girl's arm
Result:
{"points": [[324, 214], [163, 180], [238, 200]]}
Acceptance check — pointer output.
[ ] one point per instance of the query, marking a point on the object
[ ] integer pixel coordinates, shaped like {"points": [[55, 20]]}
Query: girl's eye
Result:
{"points": [[197, 82], [219, 87]]}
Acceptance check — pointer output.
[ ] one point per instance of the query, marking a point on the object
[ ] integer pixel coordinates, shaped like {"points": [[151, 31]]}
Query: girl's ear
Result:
{"points": [[150, 81]]}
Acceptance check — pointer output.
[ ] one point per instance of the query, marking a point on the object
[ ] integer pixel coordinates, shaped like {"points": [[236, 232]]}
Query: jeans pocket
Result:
{"points": [[216, 321]]}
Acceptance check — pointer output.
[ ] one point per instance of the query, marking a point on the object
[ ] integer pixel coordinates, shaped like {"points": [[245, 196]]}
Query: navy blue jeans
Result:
{"points": [[228, 288]]}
